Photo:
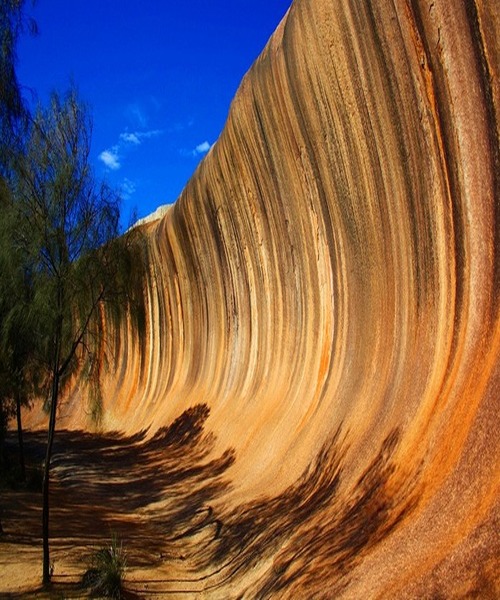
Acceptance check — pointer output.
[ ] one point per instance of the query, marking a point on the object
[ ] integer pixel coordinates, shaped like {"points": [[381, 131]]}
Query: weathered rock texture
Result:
{"points": [[328, 285]]}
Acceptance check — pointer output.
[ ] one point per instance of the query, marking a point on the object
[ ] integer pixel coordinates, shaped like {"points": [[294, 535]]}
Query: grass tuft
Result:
{"points": [[107, 569]]}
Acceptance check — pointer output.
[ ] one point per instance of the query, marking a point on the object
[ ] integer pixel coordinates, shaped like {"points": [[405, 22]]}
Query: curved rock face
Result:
{"points": [[328, 286]]}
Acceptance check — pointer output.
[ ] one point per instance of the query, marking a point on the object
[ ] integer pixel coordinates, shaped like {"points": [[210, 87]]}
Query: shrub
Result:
{"points": [[107, 568]]}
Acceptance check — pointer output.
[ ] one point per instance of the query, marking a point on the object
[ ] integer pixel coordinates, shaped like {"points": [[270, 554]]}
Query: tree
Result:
{"points": [[13, 113], [60, 263], [17, 377], [67, 232], [13, 121]]}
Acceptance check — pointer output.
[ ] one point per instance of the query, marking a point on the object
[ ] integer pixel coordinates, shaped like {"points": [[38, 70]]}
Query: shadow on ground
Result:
{"points": [[158, 496], [139, 488]]}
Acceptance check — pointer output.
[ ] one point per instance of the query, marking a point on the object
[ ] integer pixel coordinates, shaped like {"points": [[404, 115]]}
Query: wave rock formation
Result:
{"points": [[322, 316]]}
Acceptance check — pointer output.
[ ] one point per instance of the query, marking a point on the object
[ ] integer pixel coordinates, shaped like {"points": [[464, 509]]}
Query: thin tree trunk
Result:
{"points": [[3, 427], [46, 478], [1, 453], [20, 437]]}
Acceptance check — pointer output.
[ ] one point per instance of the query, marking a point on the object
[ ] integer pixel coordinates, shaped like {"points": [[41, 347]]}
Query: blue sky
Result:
{"points": [[159, 76]]}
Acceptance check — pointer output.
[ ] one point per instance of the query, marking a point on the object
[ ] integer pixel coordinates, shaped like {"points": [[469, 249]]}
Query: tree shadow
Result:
{"points": [[139, 488], [314, 532], [157, 495]]}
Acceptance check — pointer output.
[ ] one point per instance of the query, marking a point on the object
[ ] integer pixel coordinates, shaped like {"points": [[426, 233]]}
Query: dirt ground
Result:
{"points": [[165, 498], [154, 495]]}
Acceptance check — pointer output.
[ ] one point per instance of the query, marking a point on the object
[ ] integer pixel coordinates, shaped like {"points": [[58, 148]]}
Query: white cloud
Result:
{"points": [[110, 158], [149, 134], [130, 138], [136, 137], [128, 188], [202, 148]]}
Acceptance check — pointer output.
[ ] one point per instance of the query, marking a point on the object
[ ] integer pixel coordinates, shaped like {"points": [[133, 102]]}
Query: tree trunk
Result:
{"points": [[20, 437], [46, 478], [3, 430], [1, 455]]}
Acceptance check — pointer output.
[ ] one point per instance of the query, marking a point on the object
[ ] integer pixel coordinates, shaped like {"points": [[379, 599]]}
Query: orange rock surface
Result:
{"points": [[328, 285]]}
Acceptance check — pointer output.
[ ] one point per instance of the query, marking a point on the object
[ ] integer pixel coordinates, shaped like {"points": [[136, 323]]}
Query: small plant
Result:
{"points": [[107, 569]]}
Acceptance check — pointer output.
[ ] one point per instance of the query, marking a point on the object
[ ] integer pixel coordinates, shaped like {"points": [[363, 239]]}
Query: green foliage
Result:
{"points": [[65, 272], [65, 225], [15, 342], [18, 377], [13, 114], [107, 569], [79, 270]]}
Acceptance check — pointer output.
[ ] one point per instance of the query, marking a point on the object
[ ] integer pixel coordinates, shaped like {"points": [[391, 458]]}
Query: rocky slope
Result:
{"points": [[328, 286]]}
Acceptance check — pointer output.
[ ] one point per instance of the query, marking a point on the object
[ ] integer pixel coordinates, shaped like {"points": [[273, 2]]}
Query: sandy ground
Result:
{"points": [[105, 485]]}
